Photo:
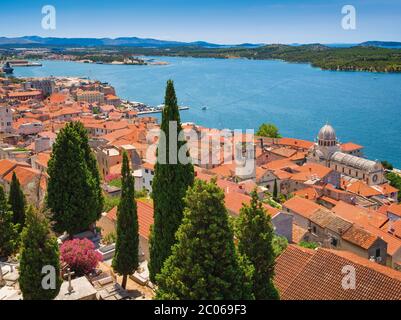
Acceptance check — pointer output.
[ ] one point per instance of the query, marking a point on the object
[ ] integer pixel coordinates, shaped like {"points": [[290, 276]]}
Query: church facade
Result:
{"points": [[327, 151]]}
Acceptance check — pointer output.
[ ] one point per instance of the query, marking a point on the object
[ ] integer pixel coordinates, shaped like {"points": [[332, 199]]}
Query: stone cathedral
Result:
{"points": [[326, 151]]}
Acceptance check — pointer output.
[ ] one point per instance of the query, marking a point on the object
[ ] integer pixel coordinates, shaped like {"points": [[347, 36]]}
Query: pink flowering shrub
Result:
{"points": [[112, 176], [80, 255]]}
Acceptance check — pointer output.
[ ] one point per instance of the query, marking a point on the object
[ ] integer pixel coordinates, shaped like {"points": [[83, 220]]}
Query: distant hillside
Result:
{"points": [[357, 58], [386, 44], [121, 42]]}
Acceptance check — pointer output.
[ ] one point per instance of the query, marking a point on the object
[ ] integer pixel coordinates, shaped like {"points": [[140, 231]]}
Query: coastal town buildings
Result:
{"points": [[90, 96], [321, 193], [6, 119]]}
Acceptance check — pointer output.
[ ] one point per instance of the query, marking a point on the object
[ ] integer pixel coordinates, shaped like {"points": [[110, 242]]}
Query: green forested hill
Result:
{"points": [[358, 58]]}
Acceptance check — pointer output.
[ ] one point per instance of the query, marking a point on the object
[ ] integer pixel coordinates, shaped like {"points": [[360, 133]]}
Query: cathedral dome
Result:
{"points": [[327, 133]]}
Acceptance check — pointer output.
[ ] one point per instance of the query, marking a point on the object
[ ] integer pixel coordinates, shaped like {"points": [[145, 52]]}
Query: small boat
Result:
{"points": [[7, 69], [204, 108]]}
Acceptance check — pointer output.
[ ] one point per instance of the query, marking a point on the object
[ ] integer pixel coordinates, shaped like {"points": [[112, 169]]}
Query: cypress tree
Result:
{"points": [[16, 199], [125, 260], [39, 248], [170, 184], [255, 235], [8, 230], [92, 166], [204, 263], [275, 190], [72, 193]]}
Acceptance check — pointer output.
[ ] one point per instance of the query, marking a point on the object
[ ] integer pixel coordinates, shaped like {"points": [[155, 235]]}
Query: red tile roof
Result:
{"points": [[42, 159], [284, 152], [393, 228], [395, 209], [58, 98], [359, 237], [358, 215], [234, 202], [296, 143], [303, 274], [310, 171], [25, 93], [350, 146], [145, 217], [302, 206], [361, 188], [307, 193], [25, 175]]}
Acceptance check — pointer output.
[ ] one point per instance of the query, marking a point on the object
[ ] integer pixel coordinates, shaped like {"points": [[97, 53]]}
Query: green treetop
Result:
{"points": [[39, 249], [73, 187], [125, 260], [170, 183], [268, 130], [255, 236], [204, 263], [17, 201]]}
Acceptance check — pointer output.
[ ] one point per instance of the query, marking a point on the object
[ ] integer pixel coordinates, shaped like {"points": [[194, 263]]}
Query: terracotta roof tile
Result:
{"points": [[395, 209], [318, 275], [361, 188], [296, 143], [234, 202], [301, 206], [145, 217], [350, 146], [358, 215], [359, 237]]}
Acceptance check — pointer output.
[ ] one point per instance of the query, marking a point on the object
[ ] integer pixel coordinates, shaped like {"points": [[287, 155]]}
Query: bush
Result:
{"points": [[110, 238], [309, 245], [279, 244], [80, 255], [116, 183], [110, 202]]}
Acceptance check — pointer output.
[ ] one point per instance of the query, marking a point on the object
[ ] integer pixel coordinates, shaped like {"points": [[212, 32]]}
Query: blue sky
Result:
{"points": [[219, 21]]}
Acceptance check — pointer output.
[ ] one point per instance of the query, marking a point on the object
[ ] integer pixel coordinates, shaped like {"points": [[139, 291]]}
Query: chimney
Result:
{"points": [[261, 143]]}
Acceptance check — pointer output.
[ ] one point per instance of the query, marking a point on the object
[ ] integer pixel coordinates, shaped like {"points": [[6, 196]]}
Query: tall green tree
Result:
{"points": [[204, 263], [125, 260], [16, 199], [73, 187], [170, 183], [8, 230], [39, 249], [255, 236], [275, 190], [268, 130], [92, 166]]}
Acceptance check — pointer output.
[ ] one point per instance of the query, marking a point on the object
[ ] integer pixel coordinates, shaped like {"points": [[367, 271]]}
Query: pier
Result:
{"points": [[158, 110]]}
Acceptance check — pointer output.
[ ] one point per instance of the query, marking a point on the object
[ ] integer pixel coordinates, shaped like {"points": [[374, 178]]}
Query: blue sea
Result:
{"points": [[239, 94]]}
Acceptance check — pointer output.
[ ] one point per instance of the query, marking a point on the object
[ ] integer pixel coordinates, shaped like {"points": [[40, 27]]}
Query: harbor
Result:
{"points": [[9, 66], [23, 63], [158, 109], [143, 109]]}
